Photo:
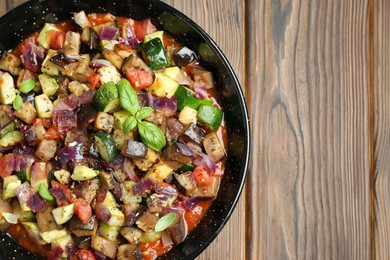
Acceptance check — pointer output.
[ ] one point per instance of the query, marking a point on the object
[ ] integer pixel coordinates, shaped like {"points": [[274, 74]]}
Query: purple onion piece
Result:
{"points": [[166, 239], [184, 149], [108, 33], [191, 203], [64, 119], [24, 192], [37, 203], [143, 186], [60, 195], [67, 103], [72, 153], [200, 90], [133, 43], [24, 149], [99, 63], [206, 162], [145, 99], [55, 252], [128, 166], [166, 105], [33, 56], [72, 250], [86, 97], [101, 195], [116, 164], [22, 162], [102, 213]]}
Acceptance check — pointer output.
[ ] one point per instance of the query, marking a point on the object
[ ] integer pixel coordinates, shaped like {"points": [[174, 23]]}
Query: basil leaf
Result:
{"points": [[27, 85], [151, 135], [129, 124], [18, 102], [128, 98], [165, 222], [144, 113]]}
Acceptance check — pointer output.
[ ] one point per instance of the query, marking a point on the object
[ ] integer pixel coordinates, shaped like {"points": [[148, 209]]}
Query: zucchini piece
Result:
{"points": [[82, 173], [108, 232], [62, 176], [159, 172], [63, 214], [106, 98], [119, 118], [185, 168], [172, 72], [188, 115], [129, 196], [44, 193], [54, 235], [105, 145], [155, 53], [210, 115], [33, 231], [24, 176], [117, 217], [186, 97], [48, 67], [8, 128], [7, 89], [109, 200], [163, 86], [49, 85], [148, 237], [108, 44], [10, 184], [44, 106], [42, 37], [108, 74], [151, 36], [11, 138]]}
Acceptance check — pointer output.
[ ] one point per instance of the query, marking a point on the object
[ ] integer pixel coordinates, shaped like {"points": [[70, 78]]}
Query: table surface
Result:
{"points": [[316, 76]]}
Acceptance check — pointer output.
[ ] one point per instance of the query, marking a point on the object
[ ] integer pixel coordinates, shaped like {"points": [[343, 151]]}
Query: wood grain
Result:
{"points": [[308, 65], [381, 63]]}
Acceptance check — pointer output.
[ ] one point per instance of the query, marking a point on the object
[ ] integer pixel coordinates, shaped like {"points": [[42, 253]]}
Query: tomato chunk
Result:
{"points": [[83, 210], [53, 134], [7, 165], [55, 39], [142, 28], [85, 254], [93, 81], [202, 178], [139, 78], [45, 122]]}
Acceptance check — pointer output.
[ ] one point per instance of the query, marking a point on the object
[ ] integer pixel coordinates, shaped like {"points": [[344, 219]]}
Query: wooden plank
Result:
{"points": [[223, 21], [381, 80], [309, 191]]}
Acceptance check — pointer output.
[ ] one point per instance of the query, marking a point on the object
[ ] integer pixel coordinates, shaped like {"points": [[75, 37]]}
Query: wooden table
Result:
{"points": [[316, 75]]}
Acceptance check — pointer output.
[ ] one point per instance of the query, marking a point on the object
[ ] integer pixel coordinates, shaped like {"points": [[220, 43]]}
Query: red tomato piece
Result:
{"points": [[93, 81], [83, 210], [202, 178], [85, 254], [53, 134], [7, 165], [139, 78], [46, 122], [142, 28], [55, 39]]}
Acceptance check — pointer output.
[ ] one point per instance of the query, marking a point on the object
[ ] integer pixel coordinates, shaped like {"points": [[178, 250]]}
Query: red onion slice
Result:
{"points": [[108, 33], [206, 162], [99, 63], [200, 90]]}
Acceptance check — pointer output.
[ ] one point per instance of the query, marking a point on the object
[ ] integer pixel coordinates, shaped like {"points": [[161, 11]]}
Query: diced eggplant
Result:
{"points": [[46, 221], [46, 149], [34, 134], [184, 56], [120, 138], [129, 252], [24, 75], [87, 189], [82, 230], [27, 113], [107, 180], [90, 38], [134, 61], [123, 50], [5, 112], [104, 121], [174, 130], [200, 75], [81, 19], [130, 211], [145, 164], [176, 153], [185, 183], [147, 221], [131, 234], [213, 147], [194, 133], [135, 149], [83, 242], [11, 63], [104, 246], [114, 58], [63, 82], [82, 73], [179, 230], [158, 118]]}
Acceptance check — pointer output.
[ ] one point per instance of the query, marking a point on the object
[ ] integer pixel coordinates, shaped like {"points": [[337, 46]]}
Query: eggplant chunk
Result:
{"points": [[185, 183], [11, 63], [46, 149], [213, 147], [73, 39], [131, 234], [5, 112], [82, 230], [107, 180], [200, 75], [104, 246], [173, 129], [145, 164], [46, 221], [174, 153], [134, 149], [147, 222], [194, 133], [133, 61], [184, 56], [87, 189], [27, 113], [129, 252], [179, 230], [5, 206]]}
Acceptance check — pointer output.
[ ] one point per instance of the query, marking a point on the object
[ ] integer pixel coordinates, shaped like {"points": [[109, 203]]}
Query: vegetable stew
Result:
{"points": [[112, 141]]}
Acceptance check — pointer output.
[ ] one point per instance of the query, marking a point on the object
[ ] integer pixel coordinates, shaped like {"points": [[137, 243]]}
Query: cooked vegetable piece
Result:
{"points": [[10, 184], [104, 246], [44, 106], [163, 86], [63, 214], [108, 74], [186, 97], [11, 138], [106, 98], [131, 234], [54, 235], [129, 251], [82, 173], [62, 176], [155, 53], [44, 193], [46, 221], [184, 56], [188, 115], [46, 149], [105, 146], [80, 229], [185, 182], [135, 149], [108, 232], [27, 113], [107, 180], [210, 115], [147, 222], [213, 147], [43, 35], [7, 88]]}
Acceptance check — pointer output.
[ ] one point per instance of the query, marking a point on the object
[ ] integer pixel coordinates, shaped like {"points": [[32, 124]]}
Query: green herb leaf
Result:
{"points": [[165, 222], [18, 102], [27, 85], [129, 124], [144, 113], [128, 98], [151, 135]]}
